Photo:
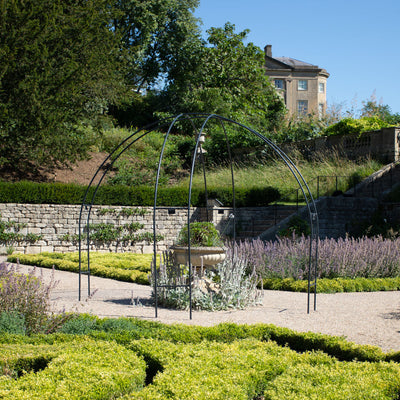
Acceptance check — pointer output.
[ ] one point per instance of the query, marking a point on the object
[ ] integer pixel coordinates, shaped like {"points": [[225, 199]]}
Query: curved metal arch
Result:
{"points": [[105, 166], [170, 122]]}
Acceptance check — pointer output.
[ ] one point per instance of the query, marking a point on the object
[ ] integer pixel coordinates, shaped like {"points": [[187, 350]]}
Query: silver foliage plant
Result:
{"points": [[229, 286]]}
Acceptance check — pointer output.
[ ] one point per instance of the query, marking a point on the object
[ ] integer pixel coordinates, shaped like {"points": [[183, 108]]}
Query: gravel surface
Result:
{"points": [[363, 318]]}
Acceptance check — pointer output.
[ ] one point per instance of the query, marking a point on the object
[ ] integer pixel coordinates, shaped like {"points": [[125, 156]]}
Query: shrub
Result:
{"points": [[341, 258], [82, 369], [12, 322], [351, 125], [202, 234], [26, 295], [296, 226], [81, 325]]}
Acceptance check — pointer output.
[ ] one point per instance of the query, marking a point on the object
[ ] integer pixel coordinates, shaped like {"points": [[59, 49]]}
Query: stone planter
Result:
{"points": [[206, 256]]}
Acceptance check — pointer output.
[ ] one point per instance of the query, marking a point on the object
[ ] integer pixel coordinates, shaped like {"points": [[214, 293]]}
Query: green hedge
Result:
{"points": [[78, 370], [335, 285], [126, 267], [191, 362], [250, 369], [57, 193], [124, 330], [350, 125]]}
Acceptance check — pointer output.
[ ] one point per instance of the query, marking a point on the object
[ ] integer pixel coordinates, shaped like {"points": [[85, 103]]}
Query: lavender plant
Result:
{"points": [[26, 296], [346, 258]]}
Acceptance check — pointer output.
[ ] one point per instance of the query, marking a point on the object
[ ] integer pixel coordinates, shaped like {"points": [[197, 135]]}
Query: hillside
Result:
{"points": [[81, 172]]}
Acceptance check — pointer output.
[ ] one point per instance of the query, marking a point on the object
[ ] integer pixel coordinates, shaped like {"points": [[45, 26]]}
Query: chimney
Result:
{"points": [[268, 50]]}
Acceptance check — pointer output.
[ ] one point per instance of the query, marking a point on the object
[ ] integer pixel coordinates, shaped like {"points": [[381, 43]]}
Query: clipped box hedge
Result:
{"points": [[126, 267], [82, 369], [25, 192], [127, 358], [334, 285]]}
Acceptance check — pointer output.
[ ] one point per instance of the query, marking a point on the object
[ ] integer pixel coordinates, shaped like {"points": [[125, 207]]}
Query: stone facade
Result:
{"points": [[302, 85]]}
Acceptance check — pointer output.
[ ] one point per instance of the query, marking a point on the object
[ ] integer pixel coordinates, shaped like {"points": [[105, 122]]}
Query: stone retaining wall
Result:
{"points": [[383, 145], [55, 221], [336, 215]]}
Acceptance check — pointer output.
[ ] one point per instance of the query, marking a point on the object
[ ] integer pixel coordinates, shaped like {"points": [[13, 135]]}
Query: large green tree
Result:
{"points": [[226, 76], [158, 41], [155, 35], [60, 67]]}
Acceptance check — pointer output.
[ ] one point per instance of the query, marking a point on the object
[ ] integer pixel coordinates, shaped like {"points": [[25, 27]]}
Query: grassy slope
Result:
{"points": [[278, 175]]}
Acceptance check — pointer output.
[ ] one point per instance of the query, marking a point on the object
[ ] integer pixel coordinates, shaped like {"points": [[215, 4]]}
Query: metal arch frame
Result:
{"points": [[170, 122]]}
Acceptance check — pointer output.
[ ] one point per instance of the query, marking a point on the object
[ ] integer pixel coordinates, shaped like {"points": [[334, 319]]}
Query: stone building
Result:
{"points": [[302, 85]]}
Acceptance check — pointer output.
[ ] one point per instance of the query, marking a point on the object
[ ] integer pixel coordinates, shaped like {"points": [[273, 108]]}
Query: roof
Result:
{"points": [[287, 63], [295, 63]]}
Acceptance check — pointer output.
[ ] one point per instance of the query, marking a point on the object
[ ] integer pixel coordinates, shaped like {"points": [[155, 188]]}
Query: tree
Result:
{"points": [[159, 38], [371, 108], [227, 77], [59, 69], [154, 35]]}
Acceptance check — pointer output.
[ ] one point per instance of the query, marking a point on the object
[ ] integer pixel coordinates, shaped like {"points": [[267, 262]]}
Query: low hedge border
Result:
{"points": [[114, 269], [82, 369], [250, 369], [26, 192], [334, 285], [190, 362], [124, 330]]}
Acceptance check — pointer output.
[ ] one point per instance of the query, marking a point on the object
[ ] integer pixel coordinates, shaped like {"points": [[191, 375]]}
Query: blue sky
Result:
{"points": [[356, 41]]}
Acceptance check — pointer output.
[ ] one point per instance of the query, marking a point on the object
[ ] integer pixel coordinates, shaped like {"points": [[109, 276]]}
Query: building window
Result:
{"points": [[321, 87], [278, 83], [302, 107], [302, 85], [321, 110]]}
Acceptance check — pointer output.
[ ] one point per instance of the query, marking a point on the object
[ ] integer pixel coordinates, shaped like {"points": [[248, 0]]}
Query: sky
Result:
{"points": [[356, 41]]}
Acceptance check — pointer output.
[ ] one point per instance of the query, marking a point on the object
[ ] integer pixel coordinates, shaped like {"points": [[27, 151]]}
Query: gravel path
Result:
{"points": [[364, 318]]}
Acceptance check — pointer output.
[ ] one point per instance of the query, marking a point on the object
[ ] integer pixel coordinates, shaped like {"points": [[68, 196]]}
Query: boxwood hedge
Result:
{"points": [[134, 359], [59, 193], [81, 369]]}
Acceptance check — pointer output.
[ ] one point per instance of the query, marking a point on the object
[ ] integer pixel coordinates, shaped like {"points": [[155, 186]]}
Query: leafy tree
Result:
{"points": [[371, 108], [227, 77], [59, 70], [158, 38], [154, 34], [224, 76]]}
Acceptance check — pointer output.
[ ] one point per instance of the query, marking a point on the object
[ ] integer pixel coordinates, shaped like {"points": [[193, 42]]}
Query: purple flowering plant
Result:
{"points": [[25, 295], [287, 257]]}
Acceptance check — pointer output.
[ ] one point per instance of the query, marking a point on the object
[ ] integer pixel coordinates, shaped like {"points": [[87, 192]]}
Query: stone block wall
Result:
{"points": [[52, 222], [382, 145], [250, 221], [338, 214]]}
